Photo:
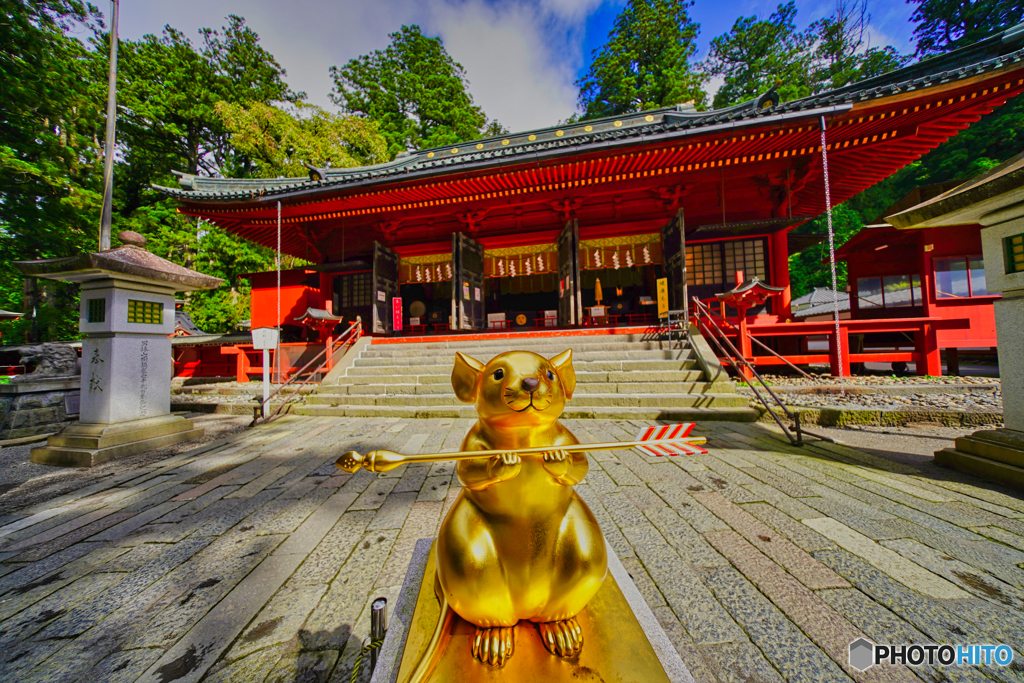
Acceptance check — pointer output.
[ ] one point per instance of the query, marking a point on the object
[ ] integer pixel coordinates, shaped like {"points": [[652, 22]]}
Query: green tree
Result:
{"points": [[171, 93], [50, 160], [757, 55], [810, 268], [645, 63], [414, 90], [840, 57], [944, 25], [276, 141]]}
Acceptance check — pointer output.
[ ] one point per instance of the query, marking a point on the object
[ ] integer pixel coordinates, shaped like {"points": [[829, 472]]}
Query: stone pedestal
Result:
{"points": [[87, 444], [993, 454], [623, 640], [127, 311]]}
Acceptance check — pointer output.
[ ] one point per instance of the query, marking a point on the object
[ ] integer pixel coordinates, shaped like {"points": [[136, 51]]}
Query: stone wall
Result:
{"points": [[30, 408]]}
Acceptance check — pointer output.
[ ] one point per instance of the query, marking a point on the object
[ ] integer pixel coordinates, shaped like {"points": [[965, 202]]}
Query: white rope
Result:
{"points": [[277, 351], [832, 255]]}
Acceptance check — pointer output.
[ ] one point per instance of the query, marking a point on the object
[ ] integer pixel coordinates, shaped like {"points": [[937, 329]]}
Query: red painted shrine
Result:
{"points": [[499, 233]]}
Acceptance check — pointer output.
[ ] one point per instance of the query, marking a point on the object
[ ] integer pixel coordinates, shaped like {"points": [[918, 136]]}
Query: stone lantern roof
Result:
{"points": [[129, 262]]}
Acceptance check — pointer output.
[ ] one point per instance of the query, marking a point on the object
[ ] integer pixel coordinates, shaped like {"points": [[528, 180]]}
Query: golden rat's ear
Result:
{"points": [[563, 366], [464, 376]]}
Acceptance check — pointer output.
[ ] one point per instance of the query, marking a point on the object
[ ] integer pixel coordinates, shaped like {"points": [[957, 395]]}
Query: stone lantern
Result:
{"points": [[127, 311]]}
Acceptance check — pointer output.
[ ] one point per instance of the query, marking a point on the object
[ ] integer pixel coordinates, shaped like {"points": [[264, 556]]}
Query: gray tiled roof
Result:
{"points": [[671, 122], [819, 295]]}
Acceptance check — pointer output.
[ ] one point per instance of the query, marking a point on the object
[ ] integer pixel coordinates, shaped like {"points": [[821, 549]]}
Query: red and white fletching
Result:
{"points": [[668, 440]]}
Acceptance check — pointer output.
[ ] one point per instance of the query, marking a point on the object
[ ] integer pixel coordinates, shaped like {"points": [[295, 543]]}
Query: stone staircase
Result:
{"points": [[617, 377]]}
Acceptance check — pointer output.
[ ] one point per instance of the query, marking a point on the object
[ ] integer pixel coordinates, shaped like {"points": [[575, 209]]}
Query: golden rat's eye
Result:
{"points": [[499, 373], [551, 376]]}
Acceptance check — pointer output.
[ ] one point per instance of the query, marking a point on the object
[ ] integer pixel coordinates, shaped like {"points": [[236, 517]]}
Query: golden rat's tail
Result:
{"points": [[438, 640]]}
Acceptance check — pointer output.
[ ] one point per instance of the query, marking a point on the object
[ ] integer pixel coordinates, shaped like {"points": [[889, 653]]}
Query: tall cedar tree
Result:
{"points": [[645, 63], [50, 160], [414, 90], [757, 55]]}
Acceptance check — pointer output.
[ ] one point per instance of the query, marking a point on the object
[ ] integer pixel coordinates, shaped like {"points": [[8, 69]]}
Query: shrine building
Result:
{"points": [[531, 229]]}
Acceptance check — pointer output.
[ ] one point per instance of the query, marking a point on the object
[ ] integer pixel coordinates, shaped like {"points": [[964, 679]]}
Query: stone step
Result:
{"points": [[548, 348], [595, 366], [590, 400], [445, 377], [685, 387], [731, 414], [513, 341], [585, 357]]}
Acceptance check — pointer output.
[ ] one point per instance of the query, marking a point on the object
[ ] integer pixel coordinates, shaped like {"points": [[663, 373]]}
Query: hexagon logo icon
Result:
{"points": [[862, 653]]}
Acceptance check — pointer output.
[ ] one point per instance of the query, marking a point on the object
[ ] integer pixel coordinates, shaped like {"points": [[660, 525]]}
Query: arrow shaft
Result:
{"points": [[574, 448]]}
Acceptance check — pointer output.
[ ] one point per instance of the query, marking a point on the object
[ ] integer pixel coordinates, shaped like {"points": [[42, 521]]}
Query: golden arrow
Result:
{"points": [[661, 440]]}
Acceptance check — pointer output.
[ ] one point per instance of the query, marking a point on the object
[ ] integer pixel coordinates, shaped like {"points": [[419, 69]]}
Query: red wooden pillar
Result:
{"points": [[927, 269], [241, 362], [746, 348], [842, 343], [326, 292], [779, 250], [929, 360]]}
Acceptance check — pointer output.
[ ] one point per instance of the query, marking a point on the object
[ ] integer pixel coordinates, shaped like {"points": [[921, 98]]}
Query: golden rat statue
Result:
{"points": [[519, 543]]}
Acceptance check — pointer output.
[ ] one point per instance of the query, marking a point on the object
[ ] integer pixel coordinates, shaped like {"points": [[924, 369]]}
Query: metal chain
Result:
{"points": [[832, 256]]}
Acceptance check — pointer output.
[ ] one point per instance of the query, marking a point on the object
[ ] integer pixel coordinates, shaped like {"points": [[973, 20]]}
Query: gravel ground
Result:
{"points": [[225, 392], [24, 483], [825, 379], [973, 401], [886, 392]]}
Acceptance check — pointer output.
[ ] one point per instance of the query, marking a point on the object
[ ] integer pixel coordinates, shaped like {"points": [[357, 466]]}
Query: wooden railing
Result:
{"points": [[347, 338], [921, 330]]}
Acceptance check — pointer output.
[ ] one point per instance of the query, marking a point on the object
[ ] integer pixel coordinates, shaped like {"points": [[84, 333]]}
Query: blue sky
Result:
{"points": [[521, 56]]}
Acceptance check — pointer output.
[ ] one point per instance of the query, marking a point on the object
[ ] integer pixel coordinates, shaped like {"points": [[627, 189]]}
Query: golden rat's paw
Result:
{"points": [[556, 456], [562, 638], [509, 458], [493, 646]]}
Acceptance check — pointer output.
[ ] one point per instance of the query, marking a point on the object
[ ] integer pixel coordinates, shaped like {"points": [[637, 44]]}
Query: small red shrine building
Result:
{"points": [[934, 272], [517, 225]]}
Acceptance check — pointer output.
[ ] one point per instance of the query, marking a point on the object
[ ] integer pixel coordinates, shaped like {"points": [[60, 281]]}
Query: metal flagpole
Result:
{"points": [[108, 150], [832, 256]]}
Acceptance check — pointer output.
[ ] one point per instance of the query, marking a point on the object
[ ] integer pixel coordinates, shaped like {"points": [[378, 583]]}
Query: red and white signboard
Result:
{"points": [[396, 313]]}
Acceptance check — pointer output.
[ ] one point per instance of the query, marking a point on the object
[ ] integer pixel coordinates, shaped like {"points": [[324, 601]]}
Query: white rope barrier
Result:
{"points": [[832, 255]]}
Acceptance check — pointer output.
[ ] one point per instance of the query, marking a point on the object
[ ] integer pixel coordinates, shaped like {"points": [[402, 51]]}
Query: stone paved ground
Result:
{"points": [[254, 559]]}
